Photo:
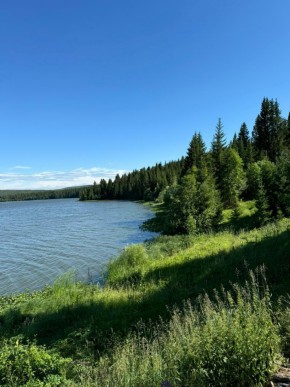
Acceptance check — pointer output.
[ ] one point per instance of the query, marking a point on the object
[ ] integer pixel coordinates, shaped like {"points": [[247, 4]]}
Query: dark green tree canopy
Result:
{"points": [[196, 154], [267, 133], [218, 147], [287, 136]]}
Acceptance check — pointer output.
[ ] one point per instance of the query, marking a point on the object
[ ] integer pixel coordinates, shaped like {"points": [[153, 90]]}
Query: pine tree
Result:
{"points": [[267, 133], [234, 143], [233, 179], [196, 153], [263, 212], [244, 135], [253, 174], [217, 153], [243, 142]]}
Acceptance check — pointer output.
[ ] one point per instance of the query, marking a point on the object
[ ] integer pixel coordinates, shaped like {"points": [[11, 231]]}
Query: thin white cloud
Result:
{"points": [[56, 179], [21, 167]]}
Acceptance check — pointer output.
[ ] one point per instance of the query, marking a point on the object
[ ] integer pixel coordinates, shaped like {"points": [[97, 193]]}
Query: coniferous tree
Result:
{"points": [[263, 211], [189, 207], [217, 153], [249, 155], [287, 135], [269, 183], [253, 175], [196, 153], [283, 182], [234, 143], [243, 142], [233, 179], [267, 133]]}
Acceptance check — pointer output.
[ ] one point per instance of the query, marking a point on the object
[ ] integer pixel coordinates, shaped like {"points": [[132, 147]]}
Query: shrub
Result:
{"points": [[128, 264], [22, 364], [230, 341]]}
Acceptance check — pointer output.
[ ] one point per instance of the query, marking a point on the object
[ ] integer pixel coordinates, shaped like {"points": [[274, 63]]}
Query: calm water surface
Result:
{"points": [[42, 239]]}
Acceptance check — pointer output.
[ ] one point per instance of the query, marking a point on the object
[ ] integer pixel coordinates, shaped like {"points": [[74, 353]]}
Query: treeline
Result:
{"points": [[252, 167], [195, 189], [144, 184], [19, 195]]}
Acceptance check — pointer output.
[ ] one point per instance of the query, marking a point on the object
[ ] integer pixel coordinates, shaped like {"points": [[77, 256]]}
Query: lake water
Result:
{"points": [[42, 239]]}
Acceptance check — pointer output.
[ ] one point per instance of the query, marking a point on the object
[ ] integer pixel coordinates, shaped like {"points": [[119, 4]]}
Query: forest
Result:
{"points": [[19, 195], [196, 189]]}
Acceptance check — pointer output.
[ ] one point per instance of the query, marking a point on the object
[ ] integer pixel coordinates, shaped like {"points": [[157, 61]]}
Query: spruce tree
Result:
{"points": [[234, 143], [263, 212], [233, 179], [267, 132], [243, 142], [196, 153], [218, 147], [244, 135]]}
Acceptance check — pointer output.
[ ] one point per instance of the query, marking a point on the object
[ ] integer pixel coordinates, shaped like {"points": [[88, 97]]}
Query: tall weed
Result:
{"points": [[231, 340]]}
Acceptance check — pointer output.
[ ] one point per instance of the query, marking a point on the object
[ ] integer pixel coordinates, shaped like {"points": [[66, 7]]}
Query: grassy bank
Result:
{"points": [[139, 329]]}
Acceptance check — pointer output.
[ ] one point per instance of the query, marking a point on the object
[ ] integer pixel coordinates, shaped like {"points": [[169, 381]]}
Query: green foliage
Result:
{"points": [[28, 364], [229, 341], [267, 132], [19, 195], [189, 207], [196, 155], [253, 175], [283, 177], [233, 177], [263, 211], [129, 262], [217, 153], [91, 324], [243, 143], [287, 136], [144, 184]]}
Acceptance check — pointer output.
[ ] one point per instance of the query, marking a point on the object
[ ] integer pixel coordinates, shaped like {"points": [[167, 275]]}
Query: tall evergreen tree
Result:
{"points": [[217, 153], [234, 143], [267, 133], [263, 211], [243, 142], [244, 135], [233, 181], [196, 153]]}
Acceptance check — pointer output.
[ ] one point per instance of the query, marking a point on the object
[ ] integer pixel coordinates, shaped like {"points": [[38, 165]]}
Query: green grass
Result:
{"points": [[95, 326]]}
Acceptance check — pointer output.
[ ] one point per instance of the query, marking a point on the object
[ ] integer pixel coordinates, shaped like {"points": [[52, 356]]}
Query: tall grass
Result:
{"points": [[231, 341]]}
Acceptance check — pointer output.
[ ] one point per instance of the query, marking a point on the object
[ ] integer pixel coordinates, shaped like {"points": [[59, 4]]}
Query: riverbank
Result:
{"points": [[92, 333]]}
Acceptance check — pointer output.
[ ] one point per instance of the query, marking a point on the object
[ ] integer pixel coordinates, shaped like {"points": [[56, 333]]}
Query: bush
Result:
{"points": [[128, 264], [22, 364], [227, 342]]}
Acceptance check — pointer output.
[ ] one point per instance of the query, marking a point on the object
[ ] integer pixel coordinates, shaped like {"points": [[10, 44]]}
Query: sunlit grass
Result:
{"points": [[95, 325]]}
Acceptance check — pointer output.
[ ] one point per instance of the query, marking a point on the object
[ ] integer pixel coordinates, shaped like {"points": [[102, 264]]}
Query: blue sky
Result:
{"points": [[92, 88]]}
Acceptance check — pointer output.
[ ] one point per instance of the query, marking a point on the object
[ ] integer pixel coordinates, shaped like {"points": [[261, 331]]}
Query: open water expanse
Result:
{"points": [[42, 239]]}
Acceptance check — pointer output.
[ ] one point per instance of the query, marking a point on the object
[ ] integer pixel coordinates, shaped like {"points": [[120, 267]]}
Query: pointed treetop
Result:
{"points": [[219, 140], [195, 153], [244, 135]]}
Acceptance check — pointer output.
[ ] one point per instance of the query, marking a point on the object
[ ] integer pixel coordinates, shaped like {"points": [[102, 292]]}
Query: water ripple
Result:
{"points": [[40, 240]]}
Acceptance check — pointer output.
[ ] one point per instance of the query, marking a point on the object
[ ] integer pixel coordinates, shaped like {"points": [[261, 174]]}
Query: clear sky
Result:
{"points": [[91, 88]]}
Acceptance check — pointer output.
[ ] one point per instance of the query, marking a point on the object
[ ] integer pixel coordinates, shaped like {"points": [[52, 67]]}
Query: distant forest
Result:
{"points": [[195, 189], [18, 195]]}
